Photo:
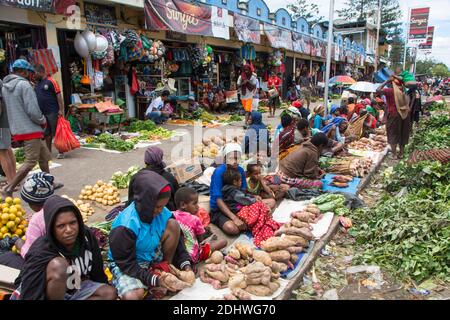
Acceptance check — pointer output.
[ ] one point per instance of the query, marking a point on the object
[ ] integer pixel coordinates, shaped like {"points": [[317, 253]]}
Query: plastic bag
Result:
{"points": [[65, 140]]}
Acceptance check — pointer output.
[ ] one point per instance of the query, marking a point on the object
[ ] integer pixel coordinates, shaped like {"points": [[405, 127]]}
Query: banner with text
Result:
{"points": [[319, 48], [301, 43], [418, 25], [247, 29], [427, 47], [38, 5], [278, 38], [183, 17]]}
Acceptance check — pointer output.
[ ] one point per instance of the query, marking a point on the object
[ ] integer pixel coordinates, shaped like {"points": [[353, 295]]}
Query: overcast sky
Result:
{"points": [[439, 17]]}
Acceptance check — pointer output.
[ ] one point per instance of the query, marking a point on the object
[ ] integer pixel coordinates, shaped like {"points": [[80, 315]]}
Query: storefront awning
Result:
{"points": [[279, 38], [187, 18], [247, 29]]}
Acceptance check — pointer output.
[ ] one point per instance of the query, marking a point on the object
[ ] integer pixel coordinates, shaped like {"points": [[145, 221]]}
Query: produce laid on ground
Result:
{"points": [[13, 222], [121, 180], [210, 146], [433, 133], [377, 144], [441, 155], [85, 208], [331, 202], [102, 193], [341, 181], [110, 142], [356, 167]]}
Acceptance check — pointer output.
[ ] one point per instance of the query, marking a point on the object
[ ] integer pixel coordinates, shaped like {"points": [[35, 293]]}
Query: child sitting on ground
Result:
{"points": [[186, 200], [256, 185]]}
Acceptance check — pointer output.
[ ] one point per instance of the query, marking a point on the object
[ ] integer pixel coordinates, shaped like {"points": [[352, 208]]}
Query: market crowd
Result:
{"points": [[161, 227]]}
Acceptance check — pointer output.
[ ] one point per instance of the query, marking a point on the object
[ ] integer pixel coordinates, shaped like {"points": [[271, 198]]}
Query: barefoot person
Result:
{"points": [[26, 122], [247, 82]]}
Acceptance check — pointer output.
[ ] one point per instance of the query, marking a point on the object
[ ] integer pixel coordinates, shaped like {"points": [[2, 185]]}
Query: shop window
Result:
{"points": [[283, 21], [224, 2], [303, 28], [258, 12]]}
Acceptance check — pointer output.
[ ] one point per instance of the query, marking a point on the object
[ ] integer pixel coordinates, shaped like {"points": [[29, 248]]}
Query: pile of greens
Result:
{"points": [[434, 133], [114, 143], [203, 115], [121, 180], [438, 106], [331, 202], [140, 125]]}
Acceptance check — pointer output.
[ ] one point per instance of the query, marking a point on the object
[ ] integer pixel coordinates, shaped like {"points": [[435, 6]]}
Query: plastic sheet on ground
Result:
{"points": [[352, 186], [322, 226], [302, 256], [283, 213], [204, 291], [375, 156]]}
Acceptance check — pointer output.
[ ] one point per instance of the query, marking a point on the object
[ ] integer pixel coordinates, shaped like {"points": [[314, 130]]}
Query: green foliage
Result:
{"points": [[140, 125], [440, 70], [114, 143], [433, 133], [121, 180], [304, 9]]}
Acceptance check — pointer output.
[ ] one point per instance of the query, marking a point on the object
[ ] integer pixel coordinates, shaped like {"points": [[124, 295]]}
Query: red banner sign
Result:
{"points": [[427, 46], [418, 25]]}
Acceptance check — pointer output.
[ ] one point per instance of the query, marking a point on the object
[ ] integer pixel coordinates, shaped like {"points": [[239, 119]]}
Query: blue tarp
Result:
{"points": [[352, 186]]}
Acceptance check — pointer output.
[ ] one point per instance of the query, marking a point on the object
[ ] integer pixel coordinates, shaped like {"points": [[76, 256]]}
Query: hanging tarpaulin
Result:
{"points": [[187, 18], [38, 5], [62, 6], [247, 29], [278, 38], [318, 48], [301, 43]]}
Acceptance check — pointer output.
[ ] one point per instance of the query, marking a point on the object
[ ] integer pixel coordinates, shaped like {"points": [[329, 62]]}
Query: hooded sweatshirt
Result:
{"points": [[302, 162], [24, 115], [259, 130], [85, 259], [136, 233]]}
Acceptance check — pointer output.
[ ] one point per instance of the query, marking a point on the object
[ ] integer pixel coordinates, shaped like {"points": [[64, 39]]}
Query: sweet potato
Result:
{"points": [[315, 211], [254, 268], [295, 249], [229, 296], [185, 276], [262, 256], [275, 276], [241, 294], [231, 260], [304, 216], [265, 280], [276, 243], [206, 279], [294, 258], [215, 267], [218, 275], [259, 290], [280, 255], [234, 253], [253, 281], [237, 281], [298, 240], [278, 267], [303, 232], [216, 257], [274, 286], [245, 250], [299, 224]]}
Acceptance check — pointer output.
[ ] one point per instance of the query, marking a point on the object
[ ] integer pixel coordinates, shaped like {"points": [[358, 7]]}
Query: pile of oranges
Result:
{"points": [[13, 221]]}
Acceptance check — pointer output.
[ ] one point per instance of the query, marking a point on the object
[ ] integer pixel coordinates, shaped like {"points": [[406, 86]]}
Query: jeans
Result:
{"points": [[156, 117]]}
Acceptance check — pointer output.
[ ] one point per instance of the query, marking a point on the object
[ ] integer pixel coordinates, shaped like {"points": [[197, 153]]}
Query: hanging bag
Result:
{"points": [[65, 140], [45, 58]]}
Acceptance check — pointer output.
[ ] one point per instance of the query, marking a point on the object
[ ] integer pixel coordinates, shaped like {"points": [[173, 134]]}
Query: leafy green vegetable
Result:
{"points": [[140, 125], [122, 180], [433, 133], [113, 143]]}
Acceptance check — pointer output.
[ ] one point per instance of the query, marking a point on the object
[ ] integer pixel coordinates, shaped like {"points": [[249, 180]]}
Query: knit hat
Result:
{"points": [[38, 188]]}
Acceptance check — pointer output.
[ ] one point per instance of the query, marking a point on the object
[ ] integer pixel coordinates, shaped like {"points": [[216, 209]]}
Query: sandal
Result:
{"points": [[57, 186]]}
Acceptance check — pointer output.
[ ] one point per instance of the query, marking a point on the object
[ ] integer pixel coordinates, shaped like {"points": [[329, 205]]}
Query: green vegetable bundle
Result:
{"points": [[114, 143], [121, 180], [433, 134], [331, 203], [140, 125]]}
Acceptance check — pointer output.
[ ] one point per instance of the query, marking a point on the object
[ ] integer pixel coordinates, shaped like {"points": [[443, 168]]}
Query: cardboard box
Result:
{"points": [[186, 169], [7, 277]]}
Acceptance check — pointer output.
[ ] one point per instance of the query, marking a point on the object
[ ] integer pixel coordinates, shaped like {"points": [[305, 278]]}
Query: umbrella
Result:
{"points": [[342, 80], [364, 86]]}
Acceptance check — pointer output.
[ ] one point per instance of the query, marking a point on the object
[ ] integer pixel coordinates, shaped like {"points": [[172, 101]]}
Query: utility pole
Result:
{"points": [[407, 37], [377, 45], [329, 48]]}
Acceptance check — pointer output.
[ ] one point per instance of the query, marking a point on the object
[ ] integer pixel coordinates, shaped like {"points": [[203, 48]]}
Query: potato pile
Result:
{"points": [[85, 208], [245, 270], [292, 238], [210, 147], [101, 192]]}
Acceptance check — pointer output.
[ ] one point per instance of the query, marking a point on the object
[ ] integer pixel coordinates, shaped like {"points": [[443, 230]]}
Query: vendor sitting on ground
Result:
{"points": [[153, 159], [221, 215], [35, 191], [186, 200], [317, 118], [300, 107], [66, 263], [292, 95], [155, 111], [303, 133], [301, 167], [144, 239], [257, 185]]}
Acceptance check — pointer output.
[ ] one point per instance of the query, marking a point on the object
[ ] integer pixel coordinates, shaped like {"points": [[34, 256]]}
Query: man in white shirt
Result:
{"points": [[154, 111], [247, 84]]}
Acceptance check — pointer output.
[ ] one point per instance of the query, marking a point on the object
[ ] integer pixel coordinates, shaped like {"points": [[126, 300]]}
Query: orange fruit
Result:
{"points": [[17, 221], [17, 201], [9, 200], [10, 225], [13, 210], [12, 216], [18, 232]]}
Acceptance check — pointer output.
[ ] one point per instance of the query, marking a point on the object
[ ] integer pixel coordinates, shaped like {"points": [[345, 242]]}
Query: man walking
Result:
{"points": [[247, 84], [26, 121], [50, 102]]}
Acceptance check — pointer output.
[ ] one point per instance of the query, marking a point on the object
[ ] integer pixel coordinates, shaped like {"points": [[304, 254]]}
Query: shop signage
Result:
{"points": [[172, 35], [187, 18], [418, 26], [337, 52], [318, 48], [247, 29], [278, 38], [426, 47], [100, 14], [301, 43], [39, 5]]}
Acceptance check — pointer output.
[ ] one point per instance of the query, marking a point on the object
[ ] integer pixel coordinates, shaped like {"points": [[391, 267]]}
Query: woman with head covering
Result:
{"points": [[221, 215], [35, 191], [247, 84], [316, 120], [66, 263], [153, 159], [143, 236], [257, 136]]}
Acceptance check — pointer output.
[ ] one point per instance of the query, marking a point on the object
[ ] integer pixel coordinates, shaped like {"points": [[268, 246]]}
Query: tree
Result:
{"points": [[425, 67], [305, 9], [441, 70]]}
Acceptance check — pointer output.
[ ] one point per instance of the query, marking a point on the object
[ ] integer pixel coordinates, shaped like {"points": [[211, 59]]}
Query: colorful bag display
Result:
{"points": [[65, 140], [46, 59]]}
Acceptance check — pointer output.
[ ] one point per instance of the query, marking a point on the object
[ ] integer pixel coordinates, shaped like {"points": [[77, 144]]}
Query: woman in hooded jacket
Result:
{"points": [[66, 263], [145, 238], [257, 136]]}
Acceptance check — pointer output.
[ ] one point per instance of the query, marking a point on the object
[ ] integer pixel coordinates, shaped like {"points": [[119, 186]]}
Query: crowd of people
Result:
{"points": [[159, 227]]}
